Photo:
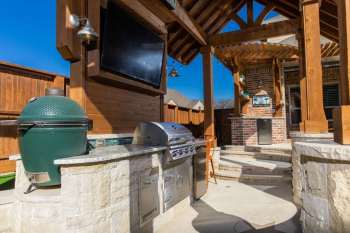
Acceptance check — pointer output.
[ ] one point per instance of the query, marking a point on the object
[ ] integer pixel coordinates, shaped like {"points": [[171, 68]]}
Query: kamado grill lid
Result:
{"points": [[52, 110]]}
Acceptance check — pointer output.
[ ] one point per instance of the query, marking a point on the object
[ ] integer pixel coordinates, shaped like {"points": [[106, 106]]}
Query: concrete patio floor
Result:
{"points": [[233, 207]]}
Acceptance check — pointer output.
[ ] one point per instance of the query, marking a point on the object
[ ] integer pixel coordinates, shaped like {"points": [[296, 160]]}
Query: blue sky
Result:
{"points": [[28, 38]]}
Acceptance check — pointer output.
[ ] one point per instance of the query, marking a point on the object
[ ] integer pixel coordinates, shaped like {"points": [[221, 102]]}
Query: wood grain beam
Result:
{"points": [[209, 128], [137, 8], [188, 23], [313, 115], [344, 43], [255, 33], [239, 21], [250, 12], [268, 8]]}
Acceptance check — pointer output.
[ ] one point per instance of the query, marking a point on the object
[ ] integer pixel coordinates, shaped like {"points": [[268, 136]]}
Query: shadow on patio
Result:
{"points": [[233, 207]]}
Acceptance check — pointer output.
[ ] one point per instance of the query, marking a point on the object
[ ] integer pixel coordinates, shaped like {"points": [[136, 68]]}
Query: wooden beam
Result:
{"points": [[277, 88], [77, 82], [237, 88], [250, 13], [268, 8], [344, 44], [66, 41], [255, 33], [311, 88], [341, 115], [185, 20], [239, 21], [209, 129], [138, 9]]}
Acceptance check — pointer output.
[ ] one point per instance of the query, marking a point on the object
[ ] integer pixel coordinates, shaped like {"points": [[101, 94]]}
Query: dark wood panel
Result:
{"points": [[118, 110]]}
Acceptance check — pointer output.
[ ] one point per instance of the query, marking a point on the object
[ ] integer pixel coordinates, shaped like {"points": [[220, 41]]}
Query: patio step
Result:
{"points": [[277, 149], [245, 168], [259, 155], [255, 179]]}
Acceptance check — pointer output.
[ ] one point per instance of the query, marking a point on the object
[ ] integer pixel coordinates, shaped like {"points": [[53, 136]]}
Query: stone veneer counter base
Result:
{"points": [[101, 192], [321, 180]]}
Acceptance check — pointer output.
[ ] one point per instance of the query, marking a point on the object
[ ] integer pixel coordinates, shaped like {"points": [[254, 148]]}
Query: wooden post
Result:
{"points": [[77, 89], [277, 88], [209, 130], [341, 115], [311, 88], [237, 86]]}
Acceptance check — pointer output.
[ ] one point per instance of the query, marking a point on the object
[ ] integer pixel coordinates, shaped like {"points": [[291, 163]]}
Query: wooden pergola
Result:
{"points": [[193, 26]]}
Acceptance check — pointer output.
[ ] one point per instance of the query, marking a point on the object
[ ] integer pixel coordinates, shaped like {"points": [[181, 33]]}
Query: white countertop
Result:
{"points": [[103, 154]]}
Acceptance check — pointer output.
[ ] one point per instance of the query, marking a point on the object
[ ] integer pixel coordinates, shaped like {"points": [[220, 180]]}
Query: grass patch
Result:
{"points": [[7, 181]]}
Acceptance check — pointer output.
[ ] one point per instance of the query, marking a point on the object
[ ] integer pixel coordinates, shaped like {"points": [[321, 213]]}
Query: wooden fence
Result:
{"points": [[192, 119], [223, 128], [17, 86]]}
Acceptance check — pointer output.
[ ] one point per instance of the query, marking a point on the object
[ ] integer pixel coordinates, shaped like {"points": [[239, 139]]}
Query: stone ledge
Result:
{"points": [[104, 154], [323, 149], [108, 136]]}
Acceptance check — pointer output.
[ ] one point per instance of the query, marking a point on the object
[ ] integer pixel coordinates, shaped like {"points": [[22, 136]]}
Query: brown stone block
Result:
{"points": [[341, 123]]}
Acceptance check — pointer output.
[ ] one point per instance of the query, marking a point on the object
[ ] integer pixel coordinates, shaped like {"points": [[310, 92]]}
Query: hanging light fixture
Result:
{"points": [[86, 32], [173, 73]]}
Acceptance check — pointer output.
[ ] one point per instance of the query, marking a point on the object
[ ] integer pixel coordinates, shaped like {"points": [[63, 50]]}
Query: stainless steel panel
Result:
{"points": [[149, 199], [199, 168], [176, 184], [264, 131]]}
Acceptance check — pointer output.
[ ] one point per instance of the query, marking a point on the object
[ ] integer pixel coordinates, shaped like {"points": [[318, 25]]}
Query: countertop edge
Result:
{"points": [[323, 149], [88, 159]]}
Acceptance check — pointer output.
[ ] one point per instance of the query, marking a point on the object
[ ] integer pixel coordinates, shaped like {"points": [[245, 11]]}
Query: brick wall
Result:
{"points": [[263, 74], [244, 131]]}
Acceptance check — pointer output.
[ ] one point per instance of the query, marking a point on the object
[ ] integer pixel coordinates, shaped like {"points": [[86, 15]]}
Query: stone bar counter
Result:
{"points": [[322, 170], [121, 188]]}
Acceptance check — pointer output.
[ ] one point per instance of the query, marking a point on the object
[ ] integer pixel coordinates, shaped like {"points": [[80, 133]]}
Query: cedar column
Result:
{"points": [[237, 86], [209, 130], [344, 44], [277, 88], [341, 115], [77, 85], [311, 88]]}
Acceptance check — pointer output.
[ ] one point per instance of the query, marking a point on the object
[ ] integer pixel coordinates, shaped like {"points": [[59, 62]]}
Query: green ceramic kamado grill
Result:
{"points": [[50, 127]]}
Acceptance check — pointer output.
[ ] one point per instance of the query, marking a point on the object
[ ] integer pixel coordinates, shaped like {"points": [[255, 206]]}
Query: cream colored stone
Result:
{"points": [[316, 178], [339, 197], [297, 177]]}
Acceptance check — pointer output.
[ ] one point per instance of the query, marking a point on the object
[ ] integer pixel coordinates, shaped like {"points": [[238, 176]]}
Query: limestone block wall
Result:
{"points": [[94, 197], [324, 185]]}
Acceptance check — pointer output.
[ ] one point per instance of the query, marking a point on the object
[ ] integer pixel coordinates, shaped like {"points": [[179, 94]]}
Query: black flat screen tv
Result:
{"points": [[129, 48]]}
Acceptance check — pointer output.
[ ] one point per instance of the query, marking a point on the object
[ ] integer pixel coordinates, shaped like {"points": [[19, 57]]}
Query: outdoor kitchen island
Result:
{"points": [[122, 188]]}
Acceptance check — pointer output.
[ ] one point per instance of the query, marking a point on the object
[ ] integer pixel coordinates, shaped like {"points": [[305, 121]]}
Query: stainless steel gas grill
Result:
{"points": [[177, 138], [177, 164]]}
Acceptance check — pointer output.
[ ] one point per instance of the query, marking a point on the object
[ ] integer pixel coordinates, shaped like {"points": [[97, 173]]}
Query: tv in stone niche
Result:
{"points": [[129, 48]]}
